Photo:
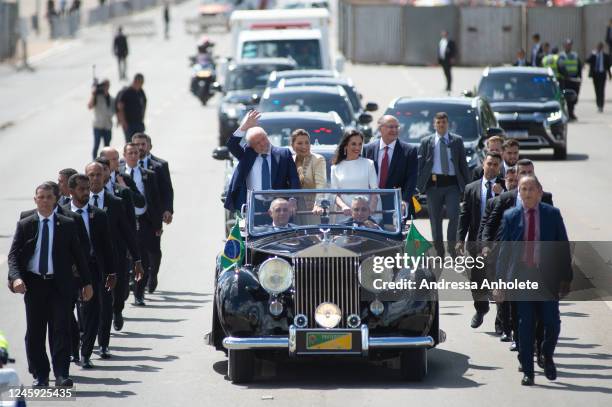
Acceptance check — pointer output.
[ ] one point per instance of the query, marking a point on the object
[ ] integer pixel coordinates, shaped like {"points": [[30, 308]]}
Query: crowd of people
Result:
{"points": [[93, 236], [499, 200]]}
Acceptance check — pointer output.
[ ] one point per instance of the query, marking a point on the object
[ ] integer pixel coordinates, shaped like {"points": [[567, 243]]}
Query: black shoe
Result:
{"points": [[41, 382], [513, 347], [86, 363], [118, 322], [550, 370], [61, 381], [540, 360], [499, 330], [505, 338], [139, 302], [527, 381], [75, 358], [477, 320], [104, 353], [152, 284]]}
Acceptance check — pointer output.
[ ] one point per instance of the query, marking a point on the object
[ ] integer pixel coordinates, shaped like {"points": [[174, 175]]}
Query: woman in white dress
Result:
{"points": [[352, 171]]}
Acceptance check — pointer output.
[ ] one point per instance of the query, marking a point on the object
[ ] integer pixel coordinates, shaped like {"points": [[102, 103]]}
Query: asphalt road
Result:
{"points": [[160, 358]]}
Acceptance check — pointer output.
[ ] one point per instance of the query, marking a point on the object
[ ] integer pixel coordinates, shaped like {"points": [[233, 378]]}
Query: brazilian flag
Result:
{"points": [[416, 244], [233, 252]]}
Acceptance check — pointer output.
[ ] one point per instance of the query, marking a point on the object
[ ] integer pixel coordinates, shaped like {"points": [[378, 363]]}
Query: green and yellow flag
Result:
{"points": [[416, 244], [233, 252]]}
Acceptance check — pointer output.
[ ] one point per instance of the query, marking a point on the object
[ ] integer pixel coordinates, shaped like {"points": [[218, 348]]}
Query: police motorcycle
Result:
{"points": [[203, 71]]}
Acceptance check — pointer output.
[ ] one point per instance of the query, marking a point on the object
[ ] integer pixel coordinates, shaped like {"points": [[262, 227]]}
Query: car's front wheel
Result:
{"points": [[413, 364], [240, 366], [560, 153]]}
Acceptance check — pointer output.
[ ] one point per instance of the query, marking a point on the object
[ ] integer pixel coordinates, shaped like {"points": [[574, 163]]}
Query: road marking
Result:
{"points": [[54, 50], [3, 259]]}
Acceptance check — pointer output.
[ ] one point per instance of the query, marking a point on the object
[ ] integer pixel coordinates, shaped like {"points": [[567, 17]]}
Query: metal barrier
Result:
{"points": [[65, 25], [375, 31], [8, 25]]}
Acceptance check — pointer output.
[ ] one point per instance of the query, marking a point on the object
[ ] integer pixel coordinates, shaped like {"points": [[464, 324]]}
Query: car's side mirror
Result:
{"points": [[365, 118], [216, 86], [570, 95], [221, 153], [371, 107], [467, 93], [495, 131], [255, 98]]}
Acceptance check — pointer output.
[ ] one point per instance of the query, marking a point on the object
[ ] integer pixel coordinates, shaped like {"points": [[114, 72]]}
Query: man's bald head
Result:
{"points": [[257, 138], [389, 128], [112, 155]]}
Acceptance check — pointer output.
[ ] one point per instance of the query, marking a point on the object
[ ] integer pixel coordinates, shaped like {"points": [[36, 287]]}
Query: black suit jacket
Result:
{"points": [[166, 181], [403, 168], [138, 200], [66, 251], [152, 197], [592, 61], [426, 160], [505, 201], [121, 230], [469, 218], [451, 51]]}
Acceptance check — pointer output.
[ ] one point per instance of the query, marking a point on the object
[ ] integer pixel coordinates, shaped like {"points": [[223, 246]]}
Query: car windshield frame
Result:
{"points": [[527, 81], [282, 137], [351, 92], [254, 49], [239, 70], [347, 117], [424, 127], [257, 198]]}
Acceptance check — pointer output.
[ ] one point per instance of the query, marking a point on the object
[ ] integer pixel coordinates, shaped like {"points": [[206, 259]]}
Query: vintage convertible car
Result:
{"points": [[311, 284]]}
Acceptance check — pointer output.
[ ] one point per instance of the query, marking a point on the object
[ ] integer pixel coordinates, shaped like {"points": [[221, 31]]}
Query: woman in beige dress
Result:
{"points": [[311, 169]]}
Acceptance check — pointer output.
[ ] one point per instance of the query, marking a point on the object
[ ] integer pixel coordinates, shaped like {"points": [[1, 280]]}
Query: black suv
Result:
{"points": [[529, 106], [244, 83]]}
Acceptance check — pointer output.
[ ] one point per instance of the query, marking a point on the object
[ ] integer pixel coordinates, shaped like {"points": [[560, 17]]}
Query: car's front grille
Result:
{"points": [[327, 279], [533, 127]]}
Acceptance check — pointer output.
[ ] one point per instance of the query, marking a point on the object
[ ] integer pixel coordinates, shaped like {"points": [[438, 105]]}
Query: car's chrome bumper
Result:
{"points": [[367, 342]]}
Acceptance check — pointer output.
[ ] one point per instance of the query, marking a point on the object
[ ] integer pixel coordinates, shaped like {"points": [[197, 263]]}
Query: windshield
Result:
{"points": [[306, 53], [350, 91], [280, 211], [507, 88], [279, 133], [308, 102], [416, 120], [250, 77]]}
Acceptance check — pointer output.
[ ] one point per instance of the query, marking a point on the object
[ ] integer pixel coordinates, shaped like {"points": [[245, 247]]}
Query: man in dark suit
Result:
{"points": [[62, 181], [609, 36], [148, 218], [360, 214], [493, 144], [45, 247], [535, 247], [599, 71], [162, 173], [521, 59], [475, 197], [446, 57], [118, 181], [537, 51], [124, 239], [102, 264], [443, 174], [396, 163], [261, 166]]}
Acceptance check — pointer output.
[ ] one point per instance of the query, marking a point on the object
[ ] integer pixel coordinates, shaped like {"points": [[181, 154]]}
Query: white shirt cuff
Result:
{"points": [[239, 133]]}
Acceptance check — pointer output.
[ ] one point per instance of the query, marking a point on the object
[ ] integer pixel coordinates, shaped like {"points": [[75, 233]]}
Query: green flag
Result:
{"points": [[233, 252], [416, 244]]}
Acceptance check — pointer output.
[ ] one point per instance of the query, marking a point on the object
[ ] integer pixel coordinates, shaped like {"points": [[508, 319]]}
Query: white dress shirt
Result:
{"points": [[100, 199], [84, 215], [437, 165], [33, 263], [381, 154], [254, 177], [442, 48], [137, 177]]}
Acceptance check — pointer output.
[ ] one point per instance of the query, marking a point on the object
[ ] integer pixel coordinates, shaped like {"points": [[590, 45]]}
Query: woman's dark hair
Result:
{"points": [[340, 151], [297, 133]]}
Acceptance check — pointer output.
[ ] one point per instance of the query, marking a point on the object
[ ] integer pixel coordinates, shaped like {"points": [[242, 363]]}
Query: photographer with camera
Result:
{"points": [[103, 105]]}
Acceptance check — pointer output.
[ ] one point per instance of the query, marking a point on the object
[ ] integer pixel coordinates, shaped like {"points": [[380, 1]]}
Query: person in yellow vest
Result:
{"points": [[570, 66], [551, 61]]}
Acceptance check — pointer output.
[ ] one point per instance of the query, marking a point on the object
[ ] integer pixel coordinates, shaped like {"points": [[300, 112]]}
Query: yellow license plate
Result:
{"points": [[329, 341]]}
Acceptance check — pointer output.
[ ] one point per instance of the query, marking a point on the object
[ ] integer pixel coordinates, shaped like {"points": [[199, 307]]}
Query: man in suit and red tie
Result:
{"points": [[45, 247], [396, 162], [535, 247], [261, 166]]}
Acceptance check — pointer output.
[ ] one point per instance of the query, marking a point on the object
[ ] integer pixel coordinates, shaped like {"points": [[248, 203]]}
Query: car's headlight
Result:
{"points": [[373, 273], [554, 116], [275, 275]]}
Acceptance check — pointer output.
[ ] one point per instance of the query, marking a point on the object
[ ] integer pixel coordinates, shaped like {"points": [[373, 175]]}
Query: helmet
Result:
{"points": [[205, 42]]}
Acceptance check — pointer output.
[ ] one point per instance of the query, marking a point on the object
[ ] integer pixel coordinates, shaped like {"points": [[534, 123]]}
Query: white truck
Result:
{"points": [[301, 34]]}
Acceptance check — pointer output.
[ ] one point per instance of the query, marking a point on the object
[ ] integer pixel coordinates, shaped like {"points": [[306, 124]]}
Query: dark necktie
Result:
{"points": [[141, 163], [443, 156], [43, 262], [530, 246], [489, 190], [384, 169], [265, 172], [95, 197]]}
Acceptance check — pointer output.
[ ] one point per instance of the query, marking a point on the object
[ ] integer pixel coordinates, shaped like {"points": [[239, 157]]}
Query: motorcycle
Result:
{"points": [[202, 77]]}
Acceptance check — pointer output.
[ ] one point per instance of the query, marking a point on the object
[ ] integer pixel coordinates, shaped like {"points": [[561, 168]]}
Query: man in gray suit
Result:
{"points": [[443, 173]]}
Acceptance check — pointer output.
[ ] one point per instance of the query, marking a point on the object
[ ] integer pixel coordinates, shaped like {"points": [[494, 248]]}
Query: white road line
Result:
{"points": [[3, 259]]}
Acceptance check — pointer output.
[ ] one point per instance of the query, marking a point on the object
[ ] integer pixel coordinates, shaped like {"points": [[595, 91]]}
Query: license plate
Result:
{"points": [[329, 341], [518, 134]]}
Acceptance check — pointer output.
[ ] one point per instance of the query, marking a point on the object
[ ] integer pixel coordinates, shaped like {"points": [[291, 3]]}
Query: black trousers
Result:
{"points": [[155, 256], [478, 275], [105, 298], [121, 291], [91, 311], [599, 82], [575, 86], [446, 67], [45, 305], [146, 237]]}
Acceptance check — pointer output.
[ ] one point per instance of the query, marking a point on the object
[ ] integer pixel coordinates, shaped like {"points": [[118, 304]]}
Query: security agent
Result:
{"points": [[570, 66], [101, 264], [62, 182], [443, 173], [44, 248], [117, 181]]}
